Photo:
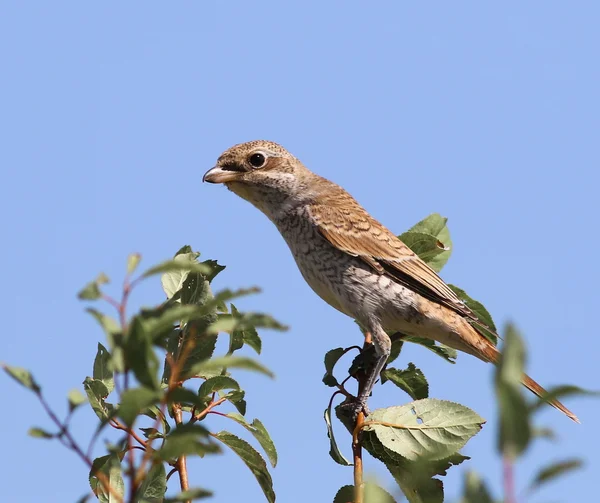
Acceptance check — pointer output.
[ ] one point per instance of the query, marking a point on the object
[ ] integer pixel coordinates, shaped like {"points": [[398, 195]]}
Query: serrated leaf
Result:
{"points": [[110, 466], [40, 433], [112, 330], [237, 399], [428, 429], [190, 494], [411, 380], [447, 353], [183, 395], [231, 323], [134, 401], [153, 486], [138, 351], [102, 368], [252, 459], [153, 412], [75, 399], [481, 312], [372, 494], [249, 335], [415, 478], [174, 267], [395, 350], [240, 362], [334, 450], [260, 433], [96, 392], [430, 240], [23, 377], [185, 440], [475, 490], [132, 262], [331, 358], [514, 416], [217, 383], [91, 291], [554, 470]]}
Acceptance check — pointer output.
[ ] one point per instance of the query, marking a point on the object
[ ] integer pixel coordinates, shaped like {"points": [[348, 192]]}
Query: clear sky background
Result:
{"points": [[110, 115]]}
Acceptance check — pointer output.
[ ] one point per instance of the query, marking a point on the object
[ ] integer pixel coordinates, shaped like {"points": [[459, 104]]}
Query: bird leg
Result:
{"points": [[382, 345]]}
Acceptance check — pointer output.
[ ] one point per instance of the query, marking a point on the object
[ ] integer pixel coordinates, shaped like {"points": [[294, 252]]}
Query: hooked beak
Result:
{"points": [[219, 175]]}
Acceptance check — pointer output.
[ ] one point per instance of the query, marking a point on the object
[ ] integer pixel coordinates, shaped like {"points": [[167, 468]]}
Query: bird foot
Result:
{"points": [[353, 407]]}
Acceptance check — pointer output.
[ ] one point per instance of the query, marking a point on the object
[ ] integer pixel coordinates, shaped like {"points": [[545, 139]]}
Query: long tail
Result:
{"points": [[487, 352], [534, 387]]}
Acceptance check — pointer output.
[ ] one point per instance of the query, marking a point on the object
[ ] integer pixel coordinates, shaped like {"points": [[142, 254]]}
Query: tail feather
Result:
{"points": [[479, 346], [534, 387]]}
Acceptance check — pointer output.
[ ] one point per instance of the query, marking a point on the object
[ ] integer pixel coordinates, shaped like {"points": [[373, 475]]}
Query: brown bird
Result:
{"points": [[350, 260]]}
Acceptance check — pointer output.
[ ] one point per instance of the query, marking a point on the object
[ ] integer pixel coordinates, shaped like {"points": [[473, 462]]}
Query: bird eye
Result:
{"points": [[257, 160]]}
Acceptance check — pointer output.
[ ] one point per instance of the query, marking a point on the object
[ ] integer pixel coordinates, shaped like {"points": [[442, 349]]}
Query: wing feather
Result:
{"points": [[351, 229]]}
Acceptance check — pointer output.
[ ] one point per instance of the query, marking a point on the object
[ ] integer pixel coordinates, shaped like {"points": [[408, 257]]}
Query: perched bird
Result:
{"points": [[350, 260]]}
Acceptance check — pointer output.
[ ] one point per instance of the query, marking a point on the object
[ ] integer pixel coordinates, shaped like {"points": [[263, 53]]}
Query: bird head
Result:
{"points": [[263, 173]]}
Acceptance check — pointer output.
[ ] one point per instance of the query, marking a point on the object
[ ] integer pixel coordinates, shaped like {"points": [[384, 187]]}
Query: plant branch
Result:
{"points": [[74, 446]]}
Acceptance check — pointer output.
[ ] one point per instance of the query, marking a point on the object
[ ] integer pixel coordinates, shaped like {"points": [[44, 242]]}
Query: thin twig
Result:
{"points": [[181, 464], [74, 446], [357, 454], [119, 426], [509, 480], [211, 405]]}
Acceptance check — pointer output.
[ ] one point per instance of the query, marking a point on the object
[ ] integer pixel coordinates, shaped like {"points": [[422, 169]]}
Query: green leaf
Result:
{"points": [[217, 383], [75, 398], [96, 392], [334, 450], [139, 352], [240, 362], [331, 358], [411, 380], [153, 486], [249, 335], [372, 494], [260, 433], [445, 352], [245, 321], [481, 312], [114, 337], [185, 440], [554, 470], [91, 291], [184, 396], [415, 478], [430, 240], [514, 417], [134, 401], [237, 399], [102, 368], [190, 494], [559, 392], [252, 459], [397, 344], [23, 377], [110, 466], [40, 433], [428, 429], [154, 412], [475, 490], [132, 262], [176, 271]]}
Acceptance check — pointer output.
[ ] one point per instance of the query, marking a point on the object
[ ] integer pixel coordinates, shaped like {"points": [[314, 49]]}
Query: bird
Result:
{"points": [[352, 261]]}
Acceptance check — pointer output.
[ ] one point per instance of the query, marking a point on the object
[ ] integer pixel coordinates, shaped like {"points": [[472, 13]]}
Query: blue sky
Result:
{"points": [[488, 114]]}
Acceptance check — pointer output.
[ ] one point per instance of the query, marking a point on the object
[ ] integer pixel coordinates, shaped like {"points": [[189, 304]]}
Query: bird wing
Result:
{"points": [[348, 227]]}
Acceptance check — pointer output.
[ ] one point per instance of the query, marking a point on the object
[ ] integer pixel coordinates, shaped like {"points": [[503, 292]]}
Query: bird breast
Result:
{"points": [[344, 281]]}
